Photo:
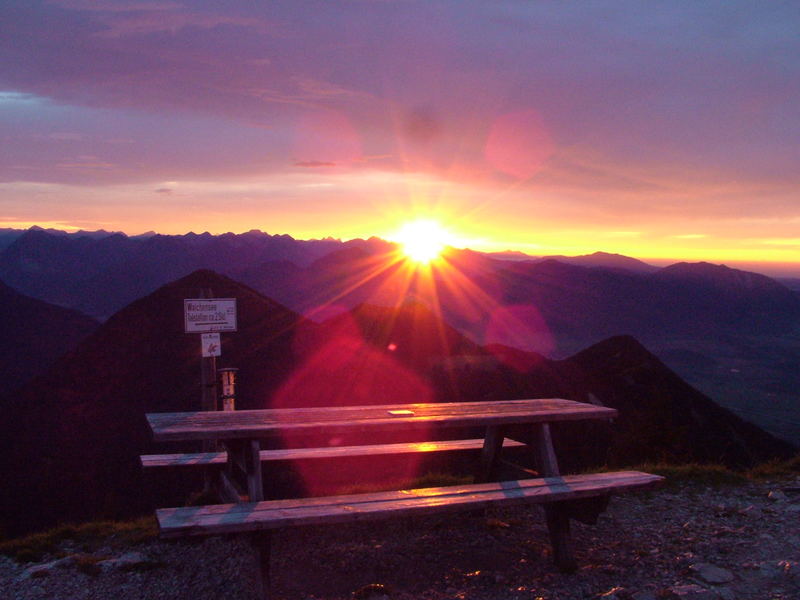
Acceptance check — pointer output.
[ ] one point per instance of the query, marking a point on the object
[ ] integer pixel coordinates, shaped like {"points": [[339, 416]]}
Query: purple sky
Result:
{"points": [[660, 130]]}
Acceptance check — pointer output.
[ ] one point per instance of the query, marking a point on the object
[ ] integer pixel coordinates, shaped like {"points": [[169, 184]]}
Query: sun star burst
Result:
{"points": [[423, 240]]}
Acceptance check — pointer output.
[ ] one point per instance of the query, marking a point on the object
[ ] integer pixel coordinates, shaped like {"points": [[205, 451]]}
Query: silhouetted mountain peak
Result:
{"points": [[202, 278], [36, 229], [662, 415], [518, 360], [720, 276], [554, 266], [606, 260], [616, 351], [164, 307]]}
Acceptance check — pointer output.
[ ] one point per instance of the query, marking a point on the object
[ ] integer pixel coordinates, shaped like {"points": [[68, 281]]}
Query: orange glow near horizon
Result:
{"points": [[484, 216]]}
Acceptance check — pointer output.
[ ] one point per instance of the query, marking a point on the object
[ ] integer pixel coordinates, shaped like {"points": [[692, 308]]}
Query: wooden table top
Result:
{"points": [[244, 424]]}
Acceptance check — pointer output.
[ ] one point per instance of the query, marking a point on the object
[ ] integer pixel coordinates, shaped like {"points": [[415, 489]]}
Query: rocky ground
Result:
{"points": [[689, 542]]}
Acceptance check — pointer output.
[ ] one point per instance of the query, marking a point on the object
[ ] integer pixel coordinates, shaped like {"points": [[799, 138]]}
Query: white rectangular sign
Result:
{"points": [[204, 315], [211, 344]]}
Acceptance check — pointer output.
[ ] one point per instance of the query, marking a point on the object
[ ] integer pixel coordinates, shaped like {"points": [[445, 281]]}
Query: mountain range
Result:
{"points": [[69, 446], [605, 260], [733, 334]]}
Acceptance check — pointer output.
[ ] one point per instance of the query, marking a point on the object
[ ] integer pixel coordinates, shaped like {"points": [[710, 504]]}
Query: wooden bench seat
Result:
{"points": [[219, 458], [274, 514]]}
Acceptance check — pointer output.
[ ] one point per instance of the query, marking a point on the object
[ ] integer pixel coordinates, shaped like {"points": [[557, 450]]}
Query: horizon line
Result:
{"points": [[789, 270]]}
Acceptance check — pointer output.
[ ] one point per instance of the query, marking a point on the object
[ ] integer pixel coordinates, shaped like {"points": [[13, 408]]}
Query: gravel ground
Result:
{"points": [[730, 543]]}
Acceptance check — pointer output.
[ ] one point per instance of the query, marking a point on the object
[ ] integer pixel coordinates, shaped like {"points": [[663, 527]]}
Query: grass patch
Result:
{"points": [[776, 469], [718, 475], [705, 474], [87, 536]]}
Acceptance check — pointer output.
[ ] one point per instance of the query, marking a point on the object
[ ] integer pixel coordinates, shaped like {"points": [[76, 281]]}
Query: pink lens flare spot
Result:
{"points": [[522, 327]]}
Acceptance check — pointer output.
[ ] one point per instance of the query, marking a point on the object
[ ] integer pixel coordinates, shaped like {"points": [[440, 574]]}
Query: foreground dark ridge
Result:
{"points": [[82, 427]]}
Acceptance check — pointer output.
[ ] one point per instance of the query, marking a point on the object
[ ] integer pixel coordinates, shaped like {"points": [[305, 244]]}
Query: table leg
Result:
{"points": [[255, 486], [490, 454], [560, 539], [556, 513], [244, 461], [545, 453]]}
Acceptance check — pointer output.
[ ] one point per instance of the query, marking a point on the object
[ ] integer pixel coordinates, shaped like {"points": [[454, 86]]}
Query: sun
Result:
{"points": [[423, 240]]}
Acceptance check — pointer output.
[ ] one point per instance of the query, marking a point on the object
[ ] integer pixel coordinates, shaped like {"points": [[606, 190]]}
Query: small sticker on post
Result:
{"points": [[401, 413]]}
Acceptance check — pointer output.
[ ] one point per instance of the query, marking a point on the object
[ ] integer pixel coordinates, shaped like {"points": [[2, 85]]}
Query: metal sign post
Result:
{"points": [[209, 316]]}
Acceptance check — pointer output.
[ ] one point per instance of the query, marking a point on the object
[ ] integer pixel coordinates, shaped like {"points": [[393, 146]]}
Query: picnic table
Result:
{"points": [[242, 432]]}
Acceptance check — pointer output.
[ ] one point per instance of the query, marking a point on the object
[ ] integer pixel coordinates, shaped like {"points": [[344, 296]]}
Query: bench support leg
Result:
{"points": [[261, 543], [492, 446]]}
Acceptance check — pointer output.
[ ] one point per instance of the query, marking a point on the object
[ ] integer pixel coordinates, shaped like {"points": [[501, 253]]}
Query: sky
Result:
{"points": [[663, 130]]}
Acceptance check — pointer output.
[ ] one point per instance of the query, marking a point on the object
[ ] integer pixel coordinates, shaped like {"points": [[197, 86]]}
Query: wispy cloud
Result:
{"points": [[782, 242], [141, 24], [115, 5], [314, 164]]}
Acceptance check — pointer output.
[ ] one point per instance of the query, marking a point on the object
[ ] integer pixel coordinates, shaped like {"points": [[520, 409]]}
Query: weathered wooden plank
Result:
{"points": [[377, 449], [185, 459], [348, 419], [406, 411], [219, 458], [250, 516], [619, 479]]}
